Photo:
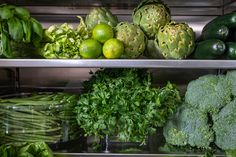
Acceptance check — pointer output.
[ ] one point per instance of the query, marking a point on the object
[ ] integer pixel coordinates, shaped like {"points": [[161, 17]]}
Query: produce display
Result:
{"points": [[207, 117], [218, 41], [151, 19], [17, 27], [40, 117], [36, 149], [123, 103]]}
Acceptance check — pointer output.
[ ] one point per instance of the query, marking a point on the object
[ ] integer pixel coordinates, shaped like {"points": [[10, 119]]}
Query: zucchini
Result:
{"points": [[231, 50], [228, 20], [209, 49], [216, 32]]}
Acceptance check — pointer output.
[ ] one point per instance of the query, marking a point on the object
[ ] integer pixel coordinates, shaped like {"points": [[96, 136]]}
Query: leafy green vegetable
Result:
{"points": [[17, 27], [37, 149], [122, 103], [63, 41], [6, 12], [231, 153], [37, 28], [22, 13], [27, 30]]}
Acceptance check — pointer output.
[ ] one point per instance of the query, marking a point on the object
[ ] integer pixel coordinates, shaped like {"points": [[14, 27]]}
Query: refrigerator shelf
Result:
{"points": [[118, 63]]}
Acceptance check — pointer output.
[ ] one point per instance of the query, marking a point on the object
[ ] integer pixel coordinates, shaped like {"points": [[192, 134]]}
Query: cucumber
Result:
{"points": [[216, 32], [209, 49], [231, 50], [228, 20]]}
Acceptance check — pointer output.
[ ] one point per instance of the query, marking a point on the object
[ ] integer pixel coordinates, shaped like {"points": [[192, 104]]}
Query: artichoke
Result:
{"points": [[176, 40], [100, 15], [150, 15], [133, 39]]}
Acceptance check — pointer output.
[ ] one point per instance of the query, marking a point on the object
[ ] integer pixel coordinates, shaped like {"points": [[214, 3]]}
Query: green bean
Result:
{"points": [[16, 123], [37, 117]]}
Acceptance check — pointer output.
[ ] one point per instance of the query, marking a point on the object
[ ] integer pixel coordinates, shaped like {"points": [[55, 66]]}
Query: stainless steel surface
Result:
{"points": [[54, 79], [119, 63], [126, 155], [229, 8], [70, 79], [119, 3], [63, 10], [7, 80]]}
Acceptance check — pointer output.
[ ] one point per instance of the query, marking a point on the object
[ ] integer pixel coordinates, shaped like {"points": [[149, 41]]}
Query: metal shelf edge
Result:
{"points": [[126, 155], [119, 63]]}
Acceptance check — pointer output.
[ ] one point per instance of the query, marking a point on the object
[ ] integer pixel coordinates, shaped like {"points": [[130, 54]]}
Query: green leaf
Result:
{"points": [[37, 28], [15, 29], [6, 12], [5, 45], [22, 13], [27, 30]]}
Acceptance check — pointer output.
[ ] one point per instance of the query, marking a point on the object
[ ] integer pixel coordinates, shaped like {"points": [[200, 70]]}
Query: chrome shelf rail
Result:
{"points": [[118, 63], [126, 155]]}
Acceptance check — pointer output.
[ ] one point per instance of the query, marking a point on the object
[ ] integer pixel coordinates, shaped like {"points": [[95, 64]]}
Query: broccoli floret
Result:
{"points": [[209, 93], [188, 126], [231, 77], [225, 127]]}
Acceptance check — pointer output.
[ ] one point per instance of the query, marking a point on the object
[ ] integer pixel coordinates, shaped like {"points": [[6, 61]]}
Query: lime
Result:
{"points": [[102, 32], [90, 48], [113, 48]]}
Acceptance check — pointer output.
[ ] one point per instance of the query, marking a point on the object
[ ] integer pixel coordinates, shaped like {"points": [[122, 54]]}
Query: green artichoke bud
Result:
{"points": [[133, 39], [176, 40], [150, 15], [100, 15], [152, 50]]}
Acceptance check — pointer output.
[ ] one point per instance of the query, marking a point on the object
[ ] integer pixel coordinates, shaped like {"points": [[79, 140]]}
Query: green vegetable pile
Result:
{"points": [[207, 118], [40, 117], [123, 103], [16, 28], [166, 38], [37, 149], [63, 41]]}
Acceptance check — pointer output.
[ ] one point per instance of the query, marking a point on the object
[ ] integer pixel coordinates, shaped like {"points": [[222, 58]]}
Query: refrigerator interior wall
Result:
{"points": [[7, 81], [71, 79]]}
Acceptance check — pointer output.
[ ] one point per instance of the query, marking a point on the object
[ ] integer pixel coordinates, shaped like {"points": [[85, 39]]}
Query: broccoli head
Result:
{"points": [[225, 127], [188, 126], [231, 77], [208, 93]]}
